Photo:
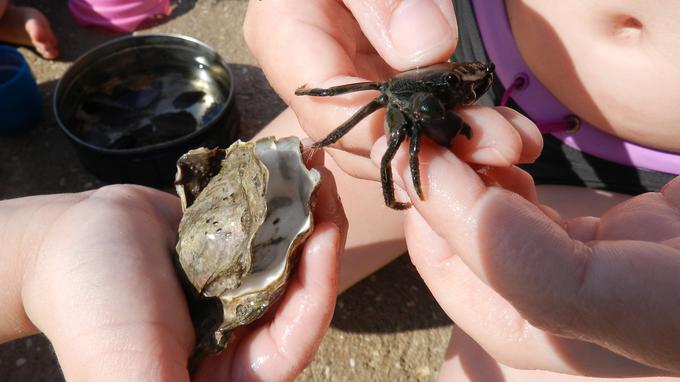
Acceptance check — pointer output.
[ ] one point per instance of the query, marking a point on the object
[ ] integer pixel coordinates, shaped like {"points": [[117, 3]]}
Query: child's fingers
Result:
{"points": [[500, 137], [532, 140], [297, 41], [280, 349], [329, 207], [319, 116], [559, 284], [511, 178], [408, 33], [493, 322]]}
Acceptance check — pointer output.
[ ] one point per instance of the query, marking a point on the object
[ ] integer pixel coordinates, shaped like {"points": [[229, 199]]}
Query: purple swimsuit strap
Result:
{"points": [[540, 105]]}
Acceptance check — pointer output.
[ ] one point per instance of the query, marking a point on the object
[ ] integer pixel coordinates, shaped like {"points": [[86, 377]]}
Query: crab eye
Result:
{"points": [[451, 79]]}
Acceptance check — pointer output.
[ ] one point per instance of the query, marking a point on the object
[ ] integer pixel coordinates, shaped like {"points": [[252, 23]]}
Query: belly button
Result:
{"points": [[626, 28]]}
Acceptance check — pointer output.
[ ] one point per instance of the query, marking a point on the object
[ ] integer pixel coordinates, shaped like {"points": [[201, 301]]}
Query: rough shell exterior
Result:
{"points": [[247, 211]]}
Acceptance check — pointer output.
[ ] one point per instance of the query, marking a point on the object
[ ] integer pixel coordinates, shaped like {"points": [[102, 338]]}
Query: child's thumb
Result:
{"points": [[408, 33]]}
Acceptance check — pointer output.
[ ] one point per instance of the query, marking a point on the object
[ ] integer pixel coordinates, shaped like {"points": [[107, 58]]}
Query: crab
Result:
{"points": [[418, 101]]}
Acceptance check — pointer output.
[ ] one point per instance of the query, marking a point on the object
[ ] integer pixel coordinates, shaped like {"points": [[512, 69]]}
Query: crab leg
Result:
{"points": [[386, 179], [341, 89], [396, 129], [343, 129], [414, 162]]}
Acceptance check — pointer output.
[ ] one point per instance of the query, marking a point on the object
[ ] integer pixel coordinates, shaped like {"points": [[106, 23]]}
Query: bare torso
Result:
{"points": [[618, 62]]}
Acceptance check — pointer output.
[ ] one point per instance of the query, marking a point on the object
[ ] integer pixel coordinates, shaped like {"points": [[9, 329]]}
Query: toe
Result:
{"points": [[41, 35]]}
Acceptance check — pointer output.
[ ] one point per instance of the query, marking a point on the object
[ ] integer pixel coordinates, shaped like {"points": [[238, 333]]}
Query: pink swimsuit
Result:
{"points": [[541, 106]]}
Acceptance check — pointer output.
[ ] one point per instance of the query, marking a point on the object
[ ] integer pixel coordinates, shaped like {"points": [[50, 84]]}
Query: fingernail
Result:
{"points": [[419, 30]]}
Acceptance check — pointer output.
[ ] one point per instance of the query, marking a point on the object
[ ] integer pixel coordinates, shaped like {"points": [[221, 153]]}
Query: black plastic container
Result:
{"points": [[134, 57]]}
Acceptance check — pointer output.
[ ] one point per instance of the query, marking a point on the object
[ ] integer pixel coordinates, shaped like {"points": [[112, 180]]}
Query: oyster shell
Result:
{"points": [[247, 211]]}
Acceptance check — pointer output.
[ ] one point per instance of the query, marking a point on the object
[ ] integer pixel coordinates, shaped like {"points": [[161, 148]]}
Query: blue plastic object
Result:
{"points": [[20, 99]]}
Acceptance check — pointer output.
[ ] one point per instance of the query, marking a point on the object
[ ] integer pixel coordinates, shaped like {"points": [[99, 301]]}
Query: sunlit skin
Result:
{"points": [[619, 62], [93, 272], [528, 273], [331, 44]]}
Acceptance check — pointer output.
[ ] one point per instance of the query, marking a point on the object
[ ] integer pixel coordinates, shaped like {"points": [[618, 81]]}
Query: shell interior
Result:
{"points": [[244, 224]]}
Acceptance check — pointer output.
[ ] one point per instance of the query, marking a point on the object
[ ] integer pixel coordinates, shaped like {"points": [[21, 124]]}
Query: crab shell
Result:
{"points": [[247, 212]]}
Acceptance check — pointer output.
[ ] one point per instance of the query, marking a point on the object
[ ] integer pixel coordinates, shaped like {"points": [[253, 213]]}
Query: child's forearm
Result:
{"points": [[23, 225]]}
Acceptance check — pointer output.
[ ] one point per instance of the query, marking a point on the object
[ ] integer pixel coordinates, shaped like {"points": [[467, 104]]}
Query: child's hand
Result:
{"points": [[590, 296], [284, 342], [328, 42], [95, 275]]}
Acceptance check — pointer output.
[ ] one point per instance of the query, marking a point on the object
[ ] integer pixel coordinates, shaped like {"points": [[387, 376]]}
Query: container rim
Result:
{"points": [[21, 69], [228, 104]]}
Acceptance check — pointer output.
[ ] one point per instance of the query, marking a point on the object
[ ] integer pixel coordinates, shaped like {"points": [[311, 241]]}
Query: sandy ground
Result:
{"points": [[386, 328]]}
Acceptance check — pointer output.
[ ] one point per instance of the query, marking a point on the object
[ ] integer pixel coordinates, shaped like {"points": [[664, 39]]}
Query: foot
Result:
{"points": [[28, 26]]}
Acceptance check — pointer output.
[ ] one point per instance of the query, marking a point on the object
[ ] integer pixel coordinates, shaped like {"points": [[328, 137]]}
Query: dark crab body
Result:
{"points": [[419, 101]]}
